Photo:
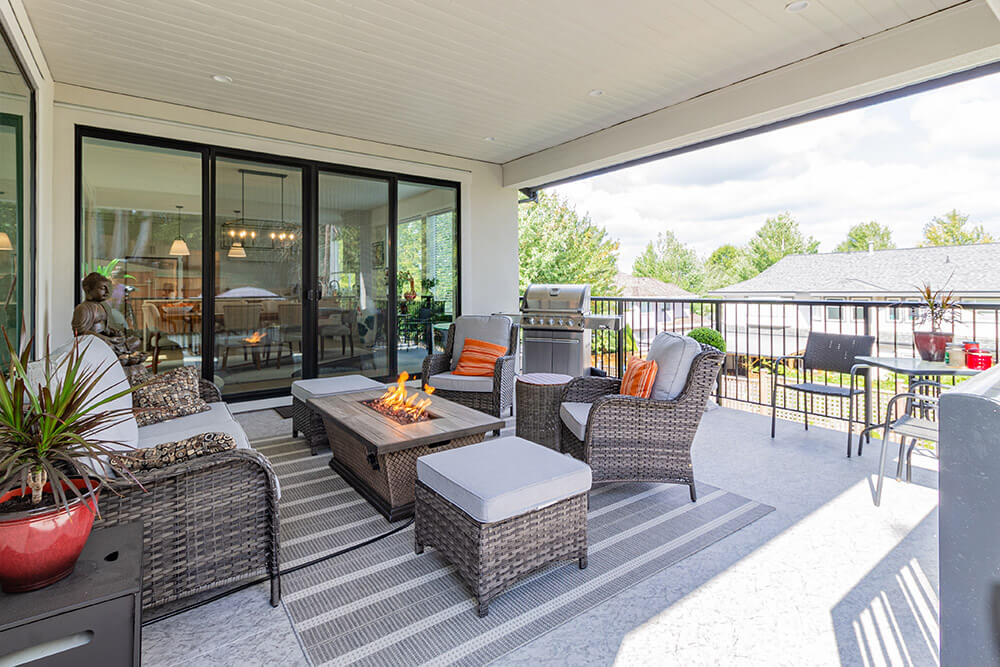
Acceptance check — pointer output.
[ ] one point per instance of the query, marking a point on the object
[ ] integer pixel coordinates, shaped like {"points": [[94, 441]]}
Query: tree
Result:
{"points": [[950, 229], [778, 237], [727, 265], [558, 245], [669, 260], [864, 233]]}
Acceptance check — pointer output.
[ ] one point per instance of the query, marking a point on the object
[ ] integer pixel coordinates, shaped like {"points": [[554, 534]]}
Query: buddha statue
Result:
{"points": [[96, 317]]}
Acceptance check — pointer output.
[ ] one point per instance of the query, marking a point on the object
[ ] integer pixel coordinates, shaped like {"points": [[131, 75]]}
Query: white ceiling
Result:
{"points": [[441, 75]]}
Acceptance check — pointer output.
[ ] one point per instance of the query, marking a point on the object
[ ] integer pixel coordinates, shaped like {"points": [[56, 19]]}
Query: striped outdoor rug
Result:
{"points": [[384, 605]]}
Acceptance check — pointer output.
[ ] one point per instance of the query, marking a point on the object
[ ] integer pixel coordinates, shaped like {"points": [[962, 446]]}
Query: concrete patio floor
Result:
{"points": [[826, 579]]}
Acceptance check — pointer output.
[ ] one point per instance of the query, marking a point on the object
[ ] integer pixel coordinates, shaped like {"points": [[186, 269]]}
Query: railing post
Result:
{"points": [[718, 321], [620, 335]]}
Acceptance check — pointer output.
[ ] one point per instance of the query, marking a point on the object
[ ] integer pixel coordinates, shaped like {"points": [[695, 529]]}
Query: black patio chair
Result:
{"points": [[834, 353]]}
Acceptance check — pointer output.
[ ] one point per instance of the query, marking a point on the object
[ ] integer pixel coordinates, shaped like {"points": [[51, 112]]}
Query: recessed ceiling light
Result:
{"points": [[796, 6], [222, 78], [489, 138], [596, 92]]}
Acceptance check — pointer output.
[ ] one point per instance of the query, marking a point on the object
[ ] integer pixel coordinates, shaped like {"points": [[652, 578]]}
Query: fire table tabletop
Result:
{"points": [[378, 455]]}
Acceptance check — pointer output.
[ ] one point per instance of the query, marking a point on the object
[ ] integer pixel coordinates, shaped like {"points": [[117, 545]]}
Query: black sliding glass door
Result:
{"points": [[264, 270]]}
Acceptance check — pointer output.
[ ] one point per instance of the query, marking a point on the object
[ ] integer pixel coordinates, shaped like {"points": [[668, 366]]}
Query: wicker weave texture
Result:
{"points": [[310, 424], [207, 522], [496, 403], [538, 412], [642, 439], [397, 472], [492, 557]]}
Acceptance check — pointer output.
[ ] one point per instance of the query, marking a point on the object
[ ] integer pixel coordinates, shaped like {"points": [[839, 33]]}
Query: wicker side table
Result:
{"points": [[538, 396]]}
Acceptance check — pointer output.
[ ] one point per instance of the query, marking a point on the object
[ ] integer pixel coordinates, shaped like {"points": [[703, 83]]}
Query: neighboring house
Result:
{"points": [[972, 272], [646, 319]]}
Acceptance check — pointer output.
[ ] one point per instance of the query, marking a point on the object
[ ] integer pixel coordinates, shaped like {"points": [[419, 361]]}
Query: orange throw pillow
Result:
{"points": [[639, 378], [478, 357]]}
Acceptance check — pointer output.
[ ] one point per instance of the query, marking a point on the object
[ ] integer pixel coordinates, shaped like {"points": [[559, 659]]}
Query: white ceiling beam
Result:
{"points": [[949, 41]]}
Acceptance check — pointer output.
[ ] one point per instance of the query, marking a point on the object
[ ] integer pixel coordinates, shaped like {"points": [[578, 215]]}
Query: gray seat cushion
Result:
{"points": [[306, 389], [216, 420], [575, 415], [673, 354], [452, 382], [502, 478], [489, 328]]}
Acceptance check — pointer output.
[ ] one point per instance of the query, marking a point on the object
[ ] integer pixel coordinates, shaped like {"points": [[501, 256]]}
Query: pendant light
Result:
{"points": [[179, 247]]}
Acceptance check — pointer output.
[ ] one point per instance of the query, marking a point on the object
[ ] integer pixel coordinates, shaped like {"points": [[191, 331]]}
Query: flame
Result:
{"points": [[398, 401], [255, 338]]}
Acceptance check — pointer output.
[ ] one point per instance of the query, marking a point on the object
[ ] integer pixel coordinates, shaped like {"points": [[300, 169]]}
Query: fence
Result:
{"points": [[759, 331]]}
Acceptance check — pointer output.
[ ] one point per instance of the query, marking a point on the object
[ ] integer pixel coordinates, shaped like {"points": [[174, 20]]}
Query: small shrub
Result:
{"points": [[708, 336]]}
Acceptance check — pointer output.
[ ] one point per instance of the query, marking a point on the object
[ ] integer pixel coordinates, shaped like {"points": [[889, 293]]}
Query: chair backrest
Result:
{"points": [[241, 316], [290, 314], [497, 329], [835, 352], [151, 316]]}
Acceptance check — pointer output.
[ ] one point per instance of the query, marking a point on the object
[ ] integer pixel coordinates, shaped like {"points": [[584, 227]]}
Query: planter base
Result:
{"points": [[931, 345]]}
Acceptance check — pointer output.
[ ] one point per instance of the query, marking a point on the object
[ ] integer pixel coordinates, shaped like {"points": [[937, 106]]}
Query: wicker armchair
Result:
{"points": [[496, 402], [631, 439], [208, 523]]}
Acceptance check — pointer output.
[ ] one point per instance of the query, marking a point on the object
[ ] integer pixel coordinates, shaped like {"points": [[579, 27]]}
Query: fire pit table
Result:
{"points": [[377, 455]]}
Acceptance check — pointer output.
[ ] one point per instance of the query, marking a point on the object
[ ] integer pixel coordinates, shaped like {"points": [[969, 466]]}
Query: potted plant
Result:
{"points": [[936, 308], [50, 465]]}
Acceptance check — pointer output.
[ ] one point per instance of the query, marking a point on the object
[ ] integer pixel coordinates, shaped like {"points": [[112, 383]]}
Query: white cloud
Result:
{"points": [[900, 163]]}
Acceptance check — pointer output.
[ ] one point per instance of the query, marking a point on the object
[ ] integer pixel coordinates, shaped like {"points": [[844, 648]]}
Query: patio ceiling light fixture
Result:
{"points": [[796, 6], [596, 92], [179, 248], [222, 78]]}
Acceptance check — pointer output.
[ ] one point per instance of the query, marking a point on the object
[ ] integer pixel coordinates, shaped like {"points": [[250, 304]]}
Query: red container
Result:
{"points": [[40, 547], [970, 346], [979, 360]]}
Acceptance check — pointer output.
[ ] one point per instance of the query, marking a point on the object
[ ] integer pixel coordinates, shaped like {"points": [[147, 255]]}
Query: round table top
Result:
{"points": [[544, 378]]}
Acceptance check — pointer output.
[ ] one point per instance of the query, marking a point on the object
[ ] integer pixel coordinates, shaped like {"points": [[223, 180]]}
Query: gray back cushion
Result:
{"points": [[489, 328], [673, 354]]}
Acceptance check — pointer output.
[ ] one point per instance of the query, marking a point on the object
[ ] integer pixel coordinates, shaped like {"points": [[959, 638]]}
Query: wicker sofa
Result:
{"points": [[627, 438], [208, 523], [492, 395]]}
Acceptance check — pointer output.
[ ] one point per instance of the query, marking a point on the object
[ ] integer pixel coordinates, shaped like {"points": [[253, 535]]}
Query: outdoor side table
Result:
{"points": [[92, 617], [538, 396]]}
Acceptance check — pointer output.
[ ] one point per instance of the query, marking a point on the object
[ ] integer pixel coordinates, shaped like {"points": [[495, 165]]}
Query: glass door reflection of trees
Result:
{"points": [[141, 227], [353, 247], [427, 270], [258, 306]]}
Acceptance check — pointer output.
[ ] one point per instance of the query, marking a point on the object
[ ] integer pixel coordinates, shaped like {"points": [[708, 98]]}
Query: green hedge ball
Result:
{"points": [[708, 336]]}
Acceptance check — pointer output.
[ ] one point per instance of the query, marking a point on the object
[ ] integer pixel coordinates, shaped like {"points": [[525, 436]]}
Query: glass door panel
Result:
{"points": [[427, 270], [141, 229], [352, 246], [258, 275]]}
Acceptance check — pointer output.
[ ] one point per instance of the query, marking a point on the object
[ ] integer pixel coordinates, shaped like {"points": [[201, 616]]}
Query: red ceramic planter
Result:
{"points": [[931, 345], [40, 547]]}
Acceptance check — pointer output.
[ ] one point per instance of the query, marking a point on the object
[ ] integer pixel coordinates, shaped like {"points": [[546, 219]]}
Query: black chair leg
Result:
{"points": [[694, 493]]}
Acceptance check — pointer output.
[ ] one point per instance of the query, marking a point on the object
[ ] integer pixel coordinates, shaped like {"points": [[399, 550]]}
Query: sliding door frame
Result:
{"points": [[310, 236]]}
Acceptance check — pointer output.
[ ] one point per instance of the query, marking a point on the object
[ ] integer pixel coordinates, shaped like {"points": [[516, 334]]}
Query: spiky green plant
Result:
{"points": [[938, 307], [106, 270], [51, 432]]}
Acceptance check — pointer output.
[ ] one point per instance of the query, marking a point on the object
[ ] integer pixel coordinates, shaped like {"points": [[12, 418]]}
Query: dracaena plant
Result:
{"points": [[938, 307], [50, 427]]}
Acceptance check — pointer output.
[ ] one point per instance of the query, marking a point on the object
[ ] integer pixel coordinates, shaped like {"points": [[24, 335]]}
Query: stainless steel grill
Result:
{"points": [[556, 321]]}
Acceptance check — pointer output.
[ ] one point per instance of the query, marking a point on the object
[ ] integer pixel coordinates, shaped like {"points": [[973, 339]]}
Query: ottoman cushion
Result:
{"points": [[306, 389], [503, 478]]}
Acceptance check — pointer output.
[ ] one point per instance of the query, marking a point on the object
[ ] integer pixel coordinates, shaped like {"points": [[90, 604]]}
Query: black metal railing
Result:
{"points": [[757, 332]]}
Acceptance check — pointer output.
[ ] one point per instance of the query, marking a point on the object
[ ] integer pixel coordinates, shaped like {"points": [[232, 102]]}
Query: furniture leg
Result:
{"points": [[881, 464], [899, 463], [343, 345], [774, 402], [156, 353], [850, 419], [694, 495]]}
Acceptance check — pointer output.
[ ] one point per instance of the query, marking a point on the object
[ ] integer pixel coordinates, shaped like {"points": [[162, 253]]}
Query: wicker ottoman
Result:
{"points": [[307, 422], [500, 510], [538, 397]]}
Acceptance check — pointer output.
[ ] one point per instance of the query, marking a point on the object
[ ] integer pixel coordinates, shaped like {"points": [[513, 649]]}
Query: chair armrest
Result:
{"points": [[206, 521], [209, 392], [503, 368], [588, 389], [434, 364]]}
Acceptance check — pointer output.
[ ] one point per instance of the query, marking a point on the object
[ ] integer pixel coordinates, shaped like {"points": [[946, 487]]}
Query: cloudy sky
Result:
{"points": [[900, 163]]}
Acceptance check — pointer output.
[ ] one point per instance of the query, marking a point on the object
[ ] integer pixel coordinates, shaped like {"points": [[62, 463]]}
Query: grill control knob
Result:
{"points": [[551, 321]]}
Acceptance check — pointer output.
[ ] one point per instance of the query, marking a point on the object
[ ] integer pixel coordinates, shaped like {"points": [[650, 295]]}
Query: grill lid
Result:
{"points": [[552, 298]]}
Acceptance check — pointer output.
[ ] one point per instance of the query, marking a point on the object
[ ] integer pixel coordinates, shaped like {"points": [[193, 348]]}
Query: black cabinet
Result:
{"points": [[93, 617]]}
